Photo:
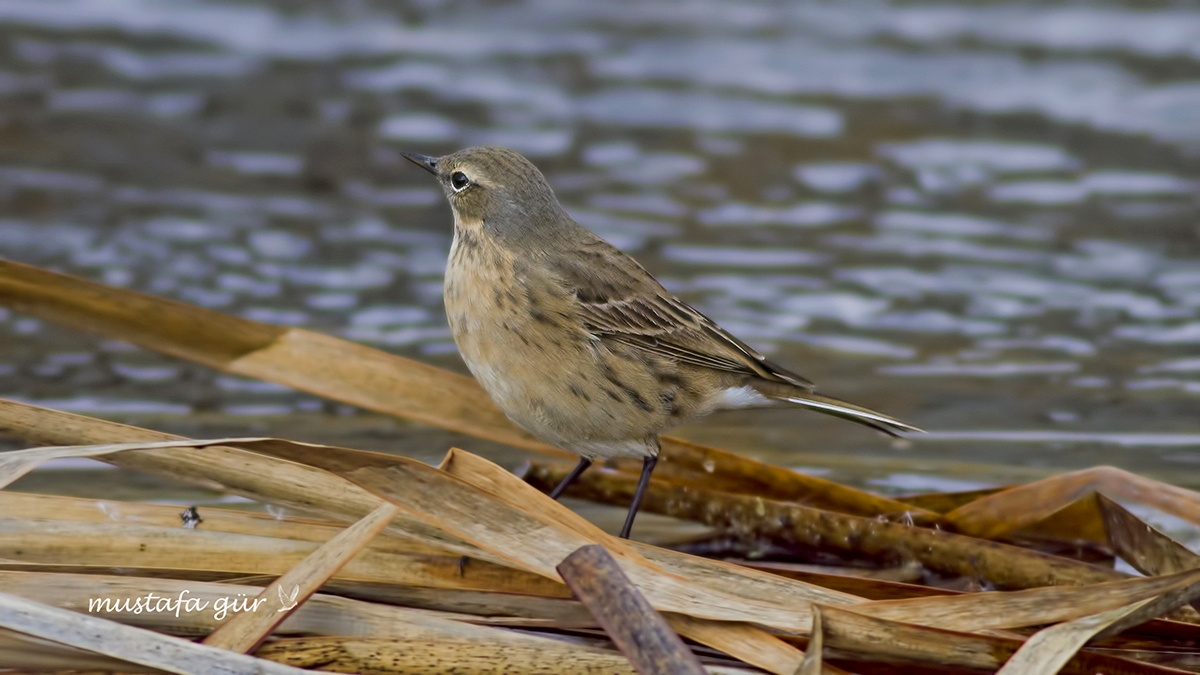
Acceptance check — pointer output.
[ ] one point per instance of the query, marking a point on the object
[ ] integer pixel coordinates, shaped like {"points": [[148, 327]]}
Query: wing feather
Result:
{"points": [[619, 301], [667, 326]]}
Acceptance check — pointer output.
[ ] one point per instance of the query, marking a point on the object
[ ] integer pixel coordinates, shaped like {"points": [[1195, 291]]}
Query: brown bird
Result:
{"points": [[574, 340]]}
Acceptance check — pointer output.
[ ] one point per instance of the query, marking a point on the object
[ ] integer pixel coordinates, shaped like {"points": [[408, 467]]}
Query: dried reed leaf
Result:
{"points": [[153, 547], [1049, 649], [13, 465], [905, 573], [304, 488], [944, 502], [812, 664], [463, 656], [483, 605], [22, 654], [856, 637], [742, 581], [1034, 607], [134, 645], [1079, 520], [1001, 565], [1146, 549], [863, 587], [321, 615], [741, 641], [17, 505], [125, 570], [1019, 507], [243, 632]]}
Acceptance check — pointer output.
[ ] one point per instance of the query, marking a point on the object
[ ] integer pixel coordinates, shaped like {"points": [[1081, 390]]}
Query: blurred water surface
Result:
{"points": [[980, 217]]}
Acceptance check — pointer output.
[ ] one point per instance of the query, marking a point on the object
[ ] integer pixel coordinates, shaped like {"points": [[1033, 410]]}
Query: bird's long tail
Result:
{"points": [[848, 411]]}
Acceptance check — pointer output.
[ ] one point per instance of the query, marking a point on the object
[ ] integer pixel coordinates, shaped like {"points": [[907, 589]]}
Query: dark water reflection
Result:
{"points": [[982, 218]]}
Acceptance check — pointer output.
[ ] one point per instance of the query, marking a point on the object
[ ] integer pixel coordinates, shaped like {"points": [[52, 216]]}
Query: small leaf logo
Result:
{"points": [[288, 601]]}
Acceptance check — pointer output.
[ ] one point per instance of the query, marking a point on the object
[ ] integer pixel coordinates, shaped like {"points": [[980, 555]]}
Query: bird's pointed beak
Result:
{"points": [[424, 161]]}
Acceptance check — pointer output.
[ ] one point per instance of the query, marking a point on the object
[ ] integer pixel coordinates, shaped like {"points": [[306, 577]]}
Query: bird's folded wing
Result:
{"points": [[618, 300], [669, 327]]}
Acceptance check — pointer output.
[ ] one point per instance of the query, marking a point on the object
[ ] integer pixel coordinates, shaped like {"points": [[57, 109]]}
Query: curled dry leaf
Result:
{"points": [[995, 515]]}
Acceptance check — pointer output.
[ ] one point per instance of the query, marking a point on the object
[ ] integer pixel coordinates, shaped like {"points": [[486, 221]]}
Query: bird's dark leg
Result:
{"points": [[582, 466], [647, 469]]}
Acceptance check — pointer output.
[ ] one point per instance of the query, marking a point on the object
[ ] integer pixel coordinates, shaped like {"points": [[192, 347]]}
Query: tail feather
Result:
{"points": [[849, 411]]}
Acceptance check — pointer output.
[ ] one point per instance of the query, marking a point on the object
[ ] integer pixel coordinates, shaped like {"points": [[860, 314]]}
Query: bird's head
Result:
{"points": [[496, 191]]}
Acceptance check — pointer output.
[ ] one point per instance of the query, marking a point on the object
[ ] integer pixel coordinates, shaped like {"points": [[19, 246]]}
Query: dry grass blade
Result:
{"points": [[741, 641], [742, 581], [304, 488], [16, 505], [1078, 521], [856, 637], [446, 655], [641, 633], [133, 645], [1018, 507], [386, 560], [485, 606], [812, 664], [1049, 649], [13, 465], [863, 587], [999, 564], [114, 598], [1146, 549], [944, 502], [1034, 607], [245, 631], [22, 654], [201, 553]]}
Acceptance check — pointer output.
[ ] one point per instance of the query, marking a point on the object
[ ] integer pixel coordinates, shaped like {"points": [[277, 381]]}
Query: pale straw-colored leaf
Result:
{"points": [[1012, 509], [1048, 650], [134, 645], [1033, 607], [812, 663], [246, 630]]}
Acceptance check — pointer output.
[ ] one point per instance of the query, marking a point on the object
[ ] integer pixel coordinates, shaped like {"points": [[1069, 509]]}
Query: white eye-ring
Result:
{"points": [[459, 181]]}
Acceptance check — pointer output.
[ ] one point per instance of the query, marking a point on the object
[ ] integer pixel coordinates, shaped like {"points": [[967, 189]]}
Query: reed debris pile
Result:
{"points": [[378, 563]]}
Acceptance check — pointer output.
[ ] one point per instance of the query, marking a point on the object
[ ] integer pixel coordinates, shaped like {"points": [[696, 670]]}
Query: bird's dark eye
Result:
{"points": [[459, 181]]}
